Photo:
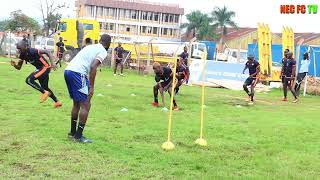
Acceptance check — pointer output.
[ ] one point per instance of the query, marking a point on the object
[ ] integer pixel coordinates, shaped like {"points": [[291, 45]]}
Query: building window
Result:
{"points": [[128, 29], [144, 15], [122, 13], [127, 14], [112, 12], [156, 17], [165, 31], [143, 29], [171, 18], [101, 25], [90, 11], [134, 14], [149, 30], [165, 17], [100, 11], [176, 18], [87, 26], [149, 16], [155, 30]]}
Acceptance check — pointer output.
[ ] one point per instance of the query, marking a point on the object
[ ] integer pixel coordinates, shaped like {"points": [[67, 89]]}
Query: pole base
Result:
{"points": [[201, 142], [167, 146]]}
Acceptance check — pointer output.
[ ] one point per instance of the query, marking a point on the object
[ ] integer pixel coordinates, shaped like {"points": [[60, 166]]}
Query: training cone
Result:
{"points": [[167, 146], [201, 142]]}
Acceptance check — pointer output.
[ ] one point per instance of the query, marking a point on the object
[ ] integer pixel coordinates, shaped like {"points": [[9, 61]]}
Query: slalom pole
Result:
{"points": [[168, 145], [201, 141]]}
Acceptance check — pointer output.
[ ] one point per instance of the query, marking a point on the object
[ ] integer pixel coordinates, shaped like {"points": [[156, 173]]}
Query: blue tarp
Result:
{"points": [[277, 54]]}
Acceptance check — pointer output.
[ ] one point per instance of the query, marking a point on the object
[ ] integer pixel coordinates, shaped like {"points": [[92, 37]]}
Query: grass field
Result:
{"points": [[270, 140]]}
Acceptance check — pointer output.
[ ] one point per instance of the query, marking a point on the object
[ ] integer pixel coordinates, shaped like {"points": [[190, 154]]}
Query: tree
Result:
{"points": [[222, 19], [19, 22], [3, 25], [50, 14], [199, 25]]}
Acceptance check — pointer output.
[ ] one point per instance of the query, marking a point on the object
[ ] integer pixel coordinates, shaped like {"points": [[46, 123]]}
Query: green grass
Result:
{"points": [[270, 140]]}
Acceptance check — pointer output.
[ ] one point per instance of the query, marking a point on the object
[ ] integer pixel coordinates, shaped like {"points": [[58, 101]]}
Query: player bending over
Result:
{"points": [[163, 78], [80, 76], [35, 57], [252, 80]]}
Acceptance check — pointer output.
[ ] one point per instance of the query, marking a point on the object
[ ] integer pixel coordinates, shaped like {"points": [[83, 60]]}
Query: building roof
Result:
{"points": [[307, 37], [135, 5], [234, 33]]}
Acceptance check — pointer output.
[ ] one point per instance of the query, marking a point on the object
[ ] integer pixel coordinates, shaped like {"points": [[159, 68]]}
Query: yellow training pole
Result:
{"points": [[168, 145], [201, 141]]}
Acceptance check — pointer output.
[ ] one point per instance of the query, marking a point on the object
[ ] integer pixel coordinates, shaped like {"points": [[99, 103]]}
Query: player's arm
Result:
{"points": [[17, 65], [257, 71], [51, 58], [93, 71], [293, 73], [245, 68]]}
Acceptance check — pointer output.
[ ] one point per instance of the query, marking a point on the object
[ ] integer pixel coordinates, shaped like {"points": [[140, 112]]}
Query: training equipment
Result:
{"points": [[168, 145], [200, 141]]}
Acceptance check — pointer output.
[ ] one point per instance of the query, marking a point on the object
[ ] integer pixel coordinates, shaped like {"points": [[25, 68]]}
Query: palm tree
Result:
{"points": [[222, 19], [198, 25]]}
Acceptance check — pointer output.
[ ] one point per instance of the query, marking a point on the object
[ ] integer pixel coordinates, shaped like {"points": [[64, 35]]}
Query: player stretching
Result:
{"points": [[254, 70], [80, 76], [163, 78], [35, 57]]}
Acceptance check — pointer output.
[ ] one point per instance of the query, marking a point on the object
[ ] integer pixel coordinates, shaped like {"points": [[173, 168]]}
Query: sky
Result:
{"points": [[248, 12]]}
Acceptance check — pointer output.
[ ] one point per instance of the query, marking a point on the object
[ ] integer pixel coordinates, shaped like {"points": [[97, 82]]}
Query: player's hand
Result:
{"points": [[13, 63], [54, 67], [91, 92]]}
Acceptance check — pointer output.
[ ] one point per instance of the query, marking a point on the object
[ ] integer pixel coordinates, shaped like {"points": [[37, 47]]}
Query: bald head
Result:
{"points": [[290, 55], [22, 46], [105, 40], [156, 67]]}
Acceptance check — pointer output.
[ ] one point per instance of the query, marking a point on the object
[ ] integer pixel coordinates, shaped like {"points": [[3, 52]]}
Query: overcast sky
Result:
{"points": [[248, 12]]}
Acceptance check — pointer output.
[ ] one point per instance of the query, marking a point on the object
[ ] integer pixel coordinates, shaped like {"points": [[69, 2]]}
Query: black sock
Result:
{"points": [[73, 127], [156, 99], [79, 130], [174, 103]]}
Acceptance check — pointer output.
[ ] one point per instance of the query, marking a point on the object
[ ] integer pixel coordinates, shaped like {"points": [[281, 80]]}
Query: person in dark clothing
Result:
{"points": [[283, 69], [60, 50], [289, 70], [184, 57], [87, 42], [163, 78], [35, 57], [303, 71], [252, 80], [118, 56], [181, 75]]}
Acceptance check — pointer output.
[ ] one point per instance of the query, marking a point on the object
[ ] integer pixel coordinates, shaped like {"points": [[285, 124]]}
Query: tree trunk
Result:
{"points": [[2, 40]]}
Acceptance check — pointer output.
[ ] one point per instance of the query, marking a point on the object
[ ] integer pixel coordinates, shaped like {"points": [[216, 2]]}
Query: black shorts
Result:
{"points": [[118, 61], [249, 81], [288, 80]]}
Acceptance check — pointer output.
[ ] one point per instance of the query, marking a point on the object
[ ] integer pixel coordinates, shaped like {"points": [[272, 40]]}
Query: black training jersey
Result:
{"points": [[165, 76], [252, 66], [289, 67], [184, 56], [35, 58], [60, 46], [119, 51], [181, 68]]}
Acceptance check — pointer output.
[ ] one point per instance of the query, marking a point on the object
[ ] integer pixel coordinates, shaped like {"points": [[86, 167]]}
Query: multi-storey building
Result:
{"points": [[132, 19]]}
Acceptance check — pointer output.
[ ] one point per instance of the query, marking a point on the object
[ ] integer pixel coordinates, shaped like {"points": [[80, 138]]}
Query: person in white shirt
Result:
{"points": [[303, 71], [80, 76]]}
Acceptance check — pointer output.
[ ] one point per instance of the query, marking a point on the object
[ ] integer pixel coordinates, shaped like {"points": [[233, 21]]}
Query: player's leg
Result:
{"points": [[115, 67], [30, 80], [74, 118], [155, 95], [247, 83], [300, 78], [44, 82], [290, 86], [83, 116], [121, 68], [175, 106], [285, 89]]}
